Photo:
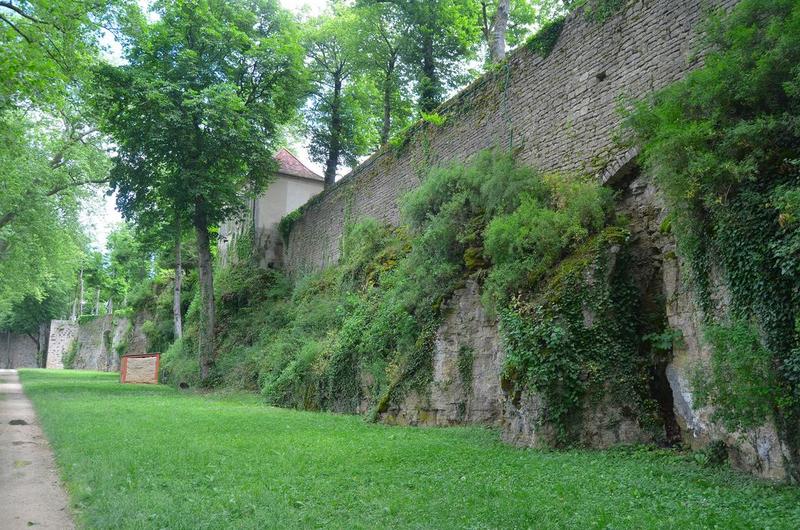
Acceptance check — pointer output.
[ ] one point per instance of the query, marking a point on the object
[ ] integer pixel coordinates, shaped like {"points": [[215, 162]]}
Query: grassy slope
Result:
{"points": [[154, 457]]}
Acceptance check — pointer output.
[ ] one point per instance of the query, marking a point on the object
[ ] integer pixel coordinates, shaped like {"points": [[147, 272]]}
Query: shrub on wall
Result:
{"points": [[359, 335], [723, 145], [576, 338]]}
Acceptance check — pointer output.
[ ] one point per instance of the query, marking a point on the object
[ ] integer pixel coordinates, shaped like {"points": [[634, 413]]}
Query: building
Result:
{"points": [[293, 186]]}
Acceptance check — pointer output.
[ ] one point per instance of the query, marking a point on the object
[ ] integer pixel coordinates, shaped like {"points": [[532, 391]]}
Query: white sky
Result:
{"points": [[100, 215]]}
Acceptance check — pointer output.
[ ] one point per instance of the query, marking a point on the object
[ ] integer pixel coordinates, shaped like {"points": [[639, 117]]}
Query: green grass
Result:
{"points": [[155, 457]]}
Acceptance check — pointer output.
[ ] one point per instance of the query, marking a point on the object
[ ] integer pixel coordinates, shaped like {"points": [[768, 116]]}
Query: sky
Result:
{"points": [[101, 216]]}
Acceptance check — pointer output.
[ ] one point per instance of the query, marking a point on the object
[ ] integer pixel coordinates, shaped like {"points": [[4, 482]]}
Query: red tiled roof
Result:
{"points": [[289, 165]]}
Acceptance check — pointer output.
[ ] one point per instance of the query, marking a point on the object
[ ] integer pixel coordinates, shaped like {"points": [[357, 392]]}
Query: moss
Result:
{"points": [[70, 355], [575, 338], [544, 40], [466, 362]]}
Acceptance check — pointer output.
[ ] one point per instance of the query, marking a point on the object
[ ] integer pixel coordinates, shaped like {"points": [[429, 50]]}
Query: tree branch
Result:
{"points": [[16, 29], [55, 190], [20, 12]]}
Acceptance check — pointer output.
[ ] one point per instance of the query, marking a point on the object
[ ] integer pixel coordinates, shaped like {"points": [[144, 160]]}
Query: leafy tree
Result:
{"points": [[196, 114], [41, 239], [49, 44], [49, 151], [504, 21], [442, 36], [339, 112], [382, 37]]}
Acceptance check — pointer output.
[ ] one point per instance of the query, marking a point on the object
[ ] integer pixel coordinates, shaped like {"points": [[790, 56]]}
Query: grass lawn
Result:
{"points": [[139, 456]]}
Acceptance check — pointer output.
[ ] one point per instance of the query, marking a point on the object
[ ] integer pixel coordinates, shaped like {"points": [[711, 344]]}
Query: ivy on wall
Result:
{"points": [[724, 146], [575, 339], [359, 335]]}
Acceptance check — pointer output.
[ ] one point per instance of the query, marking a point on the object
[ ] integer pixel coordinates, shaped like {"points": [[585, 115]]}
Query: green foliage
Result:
{"points": [[666, 341], [549, 223], [576, 337], [69, 356], [465, 363], [434, 118], [229, 462], [723, 146], [179, 365], [740, 380], [543, 41], [360, 334], [713, 455], [599, 11], [287, 223]]}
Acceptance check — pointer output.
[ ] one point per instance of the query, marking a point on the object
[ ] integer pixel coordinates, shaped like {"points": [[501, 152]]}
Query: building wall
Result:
{"points": [[284, 195], [558, 113]]}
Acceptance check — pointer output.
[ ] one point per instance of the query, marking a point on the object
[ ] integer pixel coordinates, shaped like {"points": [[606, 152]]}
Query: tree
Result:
{"points": [[442, 36], [381, 36], [339, 111], [504, 21], [50, 153], [41, 238], [49, 44], [196, 115]]}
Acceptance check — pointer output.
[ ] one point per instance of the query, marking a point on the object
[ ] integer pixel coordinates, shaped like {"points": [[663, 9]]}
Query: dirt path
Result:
{"points": [[31, 495]]}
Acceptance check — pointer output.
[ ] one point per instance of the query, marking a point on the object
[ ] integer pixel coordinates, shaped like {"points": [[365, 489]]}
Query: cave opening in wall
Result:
{"points": [[639, 201]]}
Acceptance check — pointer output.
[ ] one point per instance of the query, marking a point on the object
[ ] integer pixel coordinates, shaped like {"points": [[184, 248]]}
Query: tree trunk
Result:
{"points": [[206, 279], [176, 293], [497, 44], [335, 147], [429, 84], [388, 85], [80, 296]]}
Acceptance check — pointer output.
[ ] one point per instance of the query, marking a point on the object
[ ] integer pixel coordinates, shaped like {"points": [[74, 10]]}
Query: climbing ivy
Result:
{"points": [[575, 338], [723, 146]]}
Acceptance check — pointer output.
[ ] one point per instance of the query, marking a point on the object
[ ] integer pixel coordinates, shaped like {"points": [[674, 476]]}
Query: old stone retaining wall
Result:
{"points": [[17, 351], [97, 343], [558, 113]]}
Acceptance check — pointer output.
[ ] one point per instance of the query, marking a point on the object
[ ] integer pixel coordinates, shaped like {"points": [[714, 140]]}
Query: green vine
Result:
{"points": [[723, 146], [576, 338]]}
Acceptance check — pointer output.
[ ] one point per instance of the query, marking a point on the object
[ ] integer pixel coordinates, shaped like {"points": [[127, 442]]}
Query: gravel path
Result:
{"points": [[31, 495]]}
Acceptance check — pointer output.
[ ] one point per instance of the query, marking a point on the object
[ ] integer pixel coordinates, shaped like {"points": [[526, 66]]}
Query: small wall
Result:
{"points": [[62, 334], [99, 342], [17, 351]]}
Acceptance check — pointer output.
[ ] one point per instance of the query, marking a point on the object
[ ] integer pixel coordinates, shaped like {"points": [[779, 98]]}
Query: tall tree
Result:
{"points": [[339, 110], [196, 115], [49, 149], [442, 37], [505, 22], [381, 35]]}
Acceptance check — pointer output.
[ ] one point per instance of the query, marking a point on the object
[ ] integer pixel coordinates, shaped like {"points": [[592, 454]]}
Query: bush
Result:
{"points": [[723, 146], [361, 333]]}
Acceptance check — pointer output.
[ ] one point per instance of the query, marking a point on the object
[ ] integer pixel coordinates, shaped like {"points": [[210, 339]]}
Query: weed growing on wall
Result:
{"points": [[723, 145], [359, 335], [575, 338]]}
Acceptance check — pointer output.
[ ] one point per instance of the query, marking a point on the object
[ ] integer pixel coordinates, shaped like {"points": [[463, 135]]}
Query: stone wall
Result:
{"points": [[17, 351], [558, 113], [98, 342], [467, 362], [62, 336], [759, 451]]}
